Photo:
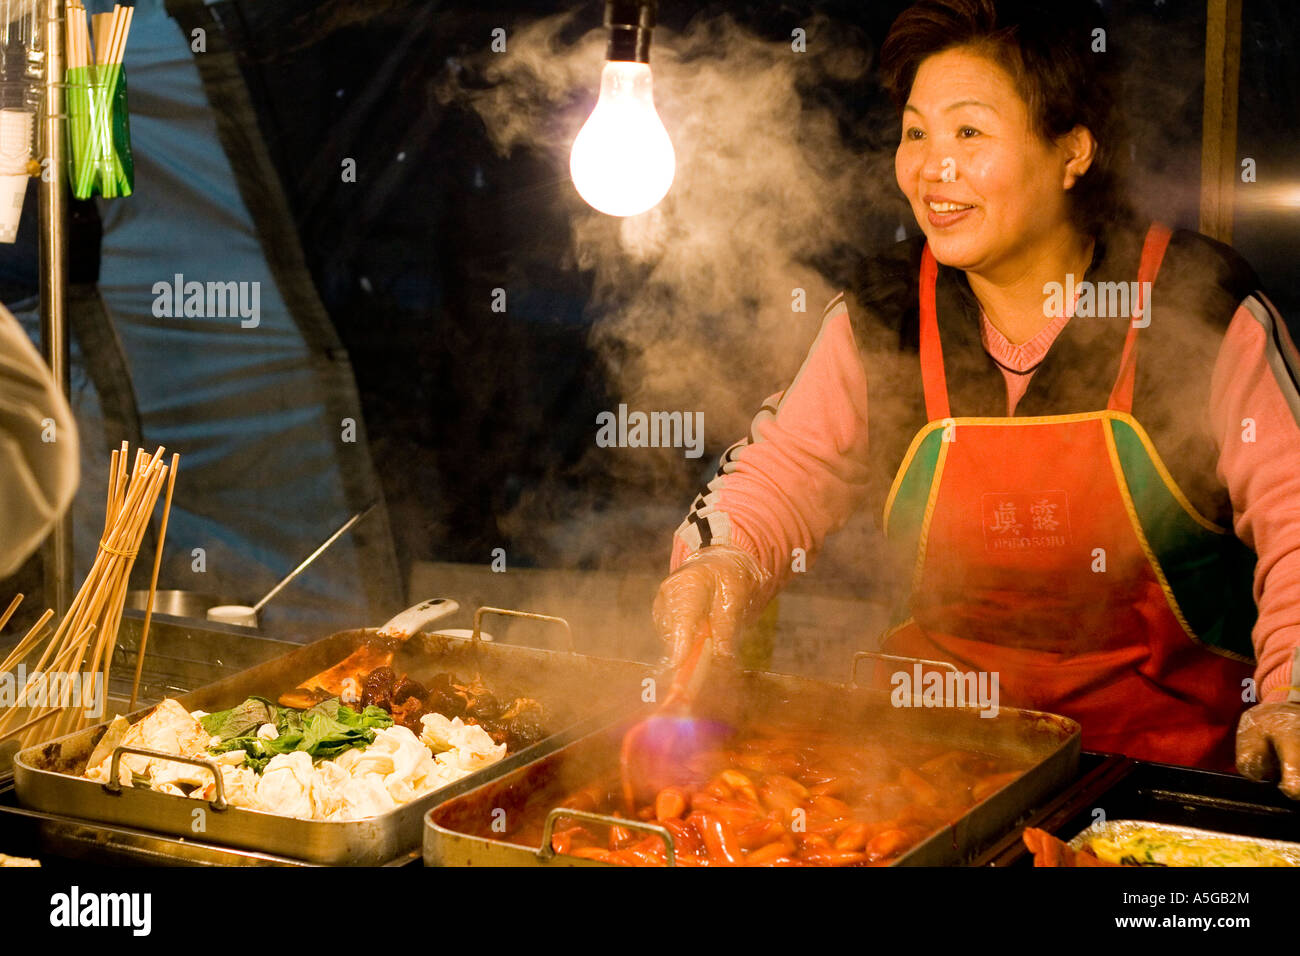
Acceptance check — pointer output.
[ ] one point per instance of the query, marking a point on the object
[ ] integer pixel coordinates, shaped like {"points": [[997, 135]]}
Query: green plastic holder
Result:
{"points": [[99, 132]]}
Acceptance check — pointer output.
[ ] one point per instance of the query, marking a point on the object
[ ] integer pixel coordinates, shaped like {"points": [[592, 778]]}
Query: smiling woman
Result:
{"points": [[992, 195], [1007, 145], [1053, 56], [1095, 495]]}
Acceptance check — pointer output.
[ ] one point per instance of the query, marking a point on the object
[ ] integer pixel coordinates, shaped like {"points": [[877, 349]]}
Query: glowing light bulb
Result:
{"points": [[623, 161]]}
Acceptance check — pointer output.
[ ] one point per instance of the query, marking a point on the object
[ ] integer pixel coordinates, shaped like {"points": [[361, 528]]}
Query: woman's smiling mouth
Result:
{"points": [[945, 212]]}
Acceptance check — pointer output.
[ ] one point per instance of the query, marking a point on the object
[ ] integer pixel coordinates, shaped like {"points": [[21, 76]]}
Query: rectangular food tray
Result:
{"points": [[1120, 829], [459, 831], [1121, 788], [48, 777]]}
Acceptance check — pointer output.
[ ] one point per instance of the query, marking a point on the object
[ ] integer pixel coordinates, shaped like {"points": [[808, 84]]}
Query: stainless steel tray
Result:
{"points": [[47, 836], [456, 832], [47, 777], [182, 656], [1119, 829]]}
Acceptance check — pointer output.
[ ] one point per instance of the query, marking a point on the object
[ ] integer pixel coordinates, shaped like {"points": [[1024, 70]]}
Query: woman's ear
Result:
{"points": [[1079, 149]]}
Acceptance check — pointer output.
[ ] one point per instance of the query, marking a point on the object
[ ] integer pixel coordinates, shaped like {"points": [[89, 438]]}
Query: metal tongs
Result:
{"points": [[656, 749]]}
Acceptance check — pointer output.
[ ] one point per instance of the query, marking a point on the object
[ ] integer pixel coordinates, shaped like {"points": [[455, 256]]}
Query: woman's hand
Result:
{"points": [[1268, 745], [720, 583]]}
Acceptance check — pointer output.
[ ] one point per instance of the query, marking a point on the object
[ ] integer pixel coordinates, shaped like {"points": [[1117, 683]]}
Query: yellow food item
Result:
{"points": [[1151, 847]]}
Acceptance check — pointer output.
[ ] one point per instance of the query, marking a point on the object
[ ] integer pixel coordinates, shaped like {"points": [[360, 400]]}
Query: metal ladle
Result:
{"points": [[245, 616]]}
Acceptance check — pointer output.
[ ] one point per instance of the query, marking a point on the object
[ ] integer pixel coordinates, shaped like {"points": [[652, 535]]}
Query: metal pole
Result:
{"points": [[54, 279], [1219, 117]]}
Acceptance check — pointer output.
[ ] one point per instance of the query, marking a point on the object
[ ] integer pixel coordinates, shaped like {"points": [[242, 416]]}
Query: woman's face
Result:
{"points": [[985, 188]]}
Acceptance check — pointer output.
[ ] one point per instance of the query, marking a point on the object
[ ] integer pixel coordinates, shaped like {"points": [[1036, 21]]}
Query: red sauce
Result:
{"points": [[778, 797]]}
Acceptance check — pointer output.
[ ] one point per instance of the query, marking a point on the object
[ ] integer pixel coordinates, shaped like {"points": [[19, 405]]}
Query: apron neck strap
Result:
{"points": [[933, 379], [1153, 253]]}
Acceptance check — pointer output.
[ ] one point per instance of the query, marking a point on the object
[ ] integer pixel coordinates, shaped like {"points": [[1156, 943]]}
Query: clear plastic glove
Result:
{"points": [[719, 582], [1268, 745]]}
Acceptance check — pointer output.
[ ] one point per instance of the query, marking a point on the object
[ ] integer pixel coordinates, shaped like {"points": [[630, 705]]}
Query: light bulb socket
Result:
{"points": [[630, 24]]}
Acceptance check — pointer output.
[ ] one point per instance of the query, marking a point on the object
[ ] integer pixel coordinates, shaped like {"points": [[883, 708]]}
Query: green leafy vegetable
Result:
{"points": [[240, 721], [325, 731]]}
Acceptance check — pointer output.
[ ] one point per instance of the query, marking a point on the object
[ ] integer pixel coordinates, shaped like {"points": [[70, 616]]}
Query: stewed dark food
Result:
{"points": [[517, 723]]}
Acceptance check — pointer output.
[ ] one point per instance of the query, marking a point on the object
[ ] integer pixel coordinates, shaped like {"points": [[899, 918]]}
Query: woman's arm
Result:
{"points": [[801, 472], [1255, 406], [38, 448]]}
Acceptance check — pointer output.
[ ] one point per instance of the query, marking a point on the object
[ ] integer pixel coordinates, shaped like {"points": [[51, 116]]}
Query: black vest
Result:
{"points": [[1200, 285]]}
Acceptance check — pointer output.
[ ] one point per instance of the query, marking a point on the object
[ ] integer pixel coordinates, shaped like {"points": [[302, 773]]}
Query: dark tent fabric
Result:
{"points": [[266, 417]]}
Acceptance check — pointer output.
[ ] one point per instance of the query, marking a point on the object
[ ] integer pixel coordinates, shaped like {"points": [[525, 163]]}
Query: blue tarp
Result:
{"points": [[251, 410]]}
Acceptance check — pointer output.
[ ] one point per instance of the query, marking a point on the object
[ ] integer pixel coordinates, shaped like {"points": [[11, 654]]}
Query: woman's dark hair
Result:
{"points": [[1047, 48]]}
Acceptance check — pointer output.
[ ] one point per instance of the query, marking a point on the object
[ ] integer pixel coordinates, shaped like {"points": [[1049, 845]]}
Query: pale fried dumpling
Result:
{"points": [[240, 785], [365, 796], [474, 746], [375, 759], [347, 760], [327, 789], [412, 764], [113, 736], [175, 773], [168, 728], [286, 784]]}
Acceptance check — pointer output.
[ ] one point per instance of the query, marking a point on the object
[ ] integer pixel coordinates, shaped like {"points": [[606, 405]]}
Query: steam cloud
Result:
{"points": [[695, 297]]}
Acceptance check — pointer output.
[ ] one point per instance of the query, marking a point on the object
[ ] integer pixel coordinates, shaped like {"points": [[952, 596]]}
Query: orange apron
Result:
{"points": [[1034, 559]]}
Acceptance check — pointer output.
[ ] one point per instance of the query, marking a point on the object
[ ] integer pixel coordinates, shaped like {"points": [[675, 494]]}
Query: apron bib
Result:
{"points": [[1058, 553]]}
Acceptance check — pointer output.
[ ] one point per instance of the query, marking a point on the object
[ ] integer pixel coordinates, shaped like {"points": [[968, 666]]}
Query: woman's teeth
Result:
{"points": [[942, 207]]}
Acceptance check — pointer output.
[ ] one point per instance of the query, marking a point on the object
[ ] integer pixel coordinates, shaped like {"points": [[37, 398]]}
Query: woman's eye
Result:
{"points": [[966, 132], [912, 133]]}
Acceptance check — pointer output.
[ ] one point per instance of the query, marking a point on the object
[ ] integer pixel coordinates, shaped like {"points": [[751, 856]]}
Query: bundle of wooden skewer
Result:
{"points": [[62, 693], [96, 119]]}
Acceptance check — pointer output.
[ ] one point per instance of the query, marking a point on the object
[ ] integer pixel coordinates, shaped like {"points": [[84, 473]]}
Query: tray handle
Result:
{"points": [[482, 612], [881, 656], [114, 784], [547, 852], [417, 617]]}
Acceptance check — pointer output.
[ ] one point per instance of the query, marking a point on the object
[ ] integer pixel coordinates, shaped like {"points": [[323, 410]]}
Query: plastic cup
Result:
{"points": [[15, 140], [12, 191]]}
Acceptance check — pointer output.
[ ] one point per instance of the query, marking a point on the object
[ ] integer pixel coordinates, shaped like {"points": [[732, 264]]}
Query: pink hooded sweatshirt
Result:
{"points": [[804, 469]]}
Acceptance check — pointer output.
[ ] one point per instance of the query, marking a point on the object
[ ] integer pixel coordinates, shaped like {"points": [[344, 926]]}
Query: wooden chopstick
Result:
{"points": [[84, 640], [9, 611], [30, 724], [153, 582]]}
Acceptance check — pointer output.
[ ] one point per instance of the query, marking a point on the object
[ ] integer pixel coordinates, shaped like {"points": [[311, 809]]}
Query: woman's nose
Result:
{"points": [[938, 165]]}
